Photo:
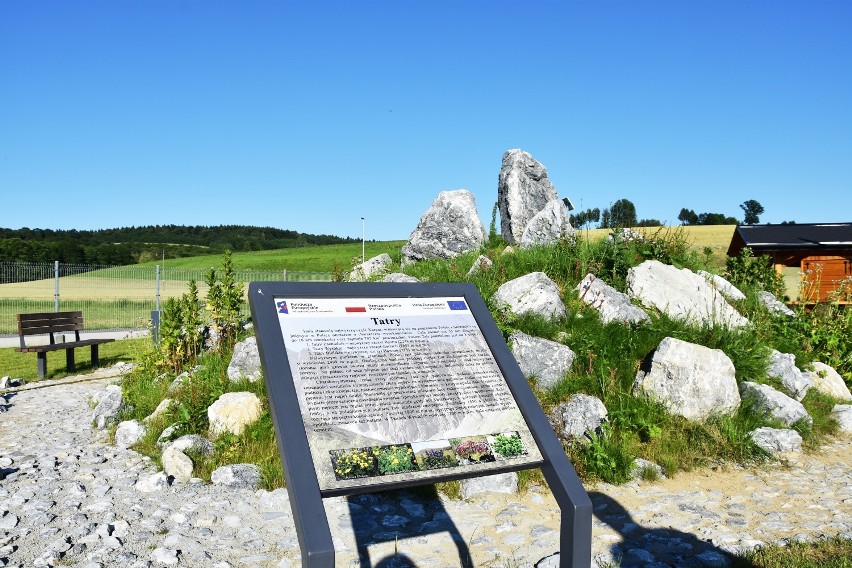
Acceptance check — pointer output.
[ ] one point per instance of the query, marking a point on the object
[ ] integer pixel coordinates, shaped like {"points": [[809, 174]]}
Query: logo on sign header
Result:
{"points": [[355, 309], [456, 305], [282, 307]]}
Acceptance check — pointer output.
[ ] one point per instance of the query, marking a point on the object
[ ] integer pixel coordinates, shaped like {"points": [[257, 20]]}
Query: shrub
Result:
{"points": [[749, 271], [224, 298], [180, 330]]}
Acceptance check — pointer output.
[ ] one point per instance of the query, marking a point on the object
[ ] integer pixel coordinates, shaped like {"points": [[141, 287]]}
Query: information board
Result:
{"points": [[396, 389]]}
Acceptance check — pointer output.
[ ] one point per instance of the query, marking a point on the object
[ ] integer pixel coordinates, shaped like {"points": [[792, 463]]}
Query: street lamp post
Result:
{"points": [[362, 241]]}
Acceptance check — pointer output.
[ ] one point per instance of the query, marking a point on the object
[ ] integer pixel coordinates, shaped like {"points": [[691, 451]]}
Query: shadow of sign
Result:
{"points": [[393, 519], [643, 546]]}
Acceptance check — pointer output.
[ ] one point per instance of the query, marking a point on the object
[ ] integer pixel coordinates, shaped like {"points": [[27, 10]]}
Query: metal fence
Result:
{"points": [[111, 297]]}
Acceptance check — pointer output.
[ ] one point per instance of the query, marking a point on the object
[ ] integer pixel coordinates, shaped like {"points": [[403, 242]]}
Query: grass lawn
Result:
{"points": [[24, 366], [325, 258]]}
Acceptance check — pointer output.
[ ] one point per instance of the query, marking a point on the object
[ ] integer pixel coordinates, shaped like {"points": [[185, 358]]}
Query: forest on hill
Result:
{"points": [[130, 245]]}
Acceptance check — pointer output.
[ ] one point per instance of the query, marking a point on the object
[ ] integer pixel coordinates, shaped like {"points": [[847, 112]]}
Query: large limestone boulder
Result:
{"points": [[727, 289], [775, 403], [176, 464], [843, 414], [193, 443], [232, 412], [522, 191], [533, 293], [109, 404], [782, 366], [611, 304], [376, 266], [681, 294], [245, 362], [548, 226], [691, 380], [129, 432], [546, 360], [828, 381], [777, 441], [579, 419], [449, 228]]}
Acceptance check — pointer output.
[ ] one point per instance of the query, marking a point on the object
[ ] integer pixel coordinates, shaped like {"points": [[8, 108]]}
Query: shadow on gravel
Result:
{"points": [[643, 546], [395, 516], [4, 401]]}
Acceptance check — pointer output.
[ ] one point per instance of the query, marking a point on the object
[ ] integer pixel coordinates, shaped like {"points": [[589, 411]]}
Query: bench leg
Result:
{"points": [[69, 360], [95, 362], [42, 364]]}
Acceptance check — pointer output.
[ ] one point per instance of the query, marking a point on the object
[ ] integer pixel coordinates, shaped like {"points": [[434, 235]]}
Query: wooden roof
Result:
{"points": [[814, 237]]}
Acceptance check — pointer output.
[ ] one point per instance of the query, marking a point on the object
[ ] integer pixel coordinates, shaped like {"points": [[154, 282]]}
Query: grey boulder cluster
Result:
{"points": [[231, 413], [691, 380], [531, 214]]}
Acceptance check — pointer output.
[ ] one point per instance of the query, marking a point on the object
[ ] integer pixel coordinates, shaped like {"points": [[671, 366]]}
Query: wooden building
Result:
{"points": [[821, 252]]}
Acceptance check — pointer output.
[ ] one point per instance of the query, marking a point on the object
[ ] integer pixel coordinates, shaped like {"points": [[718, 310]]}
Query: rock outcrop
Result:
{"points": [[546, 360], [681, 294], [775, 403], [828, 381], [449, 228], [691, 380], [611, 304], [727, 289], [548, 226], [129, 432], [232, 412], [533, 293], [376, 266], [245, 362], [109, 403], [579, 419], [777, 441], [782, 366], [522, 191]]}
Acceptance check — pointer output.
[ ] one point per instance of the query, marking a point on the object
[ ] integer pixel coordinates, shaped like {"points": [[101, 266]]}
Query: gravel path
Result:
{"points": [[68, 497]]}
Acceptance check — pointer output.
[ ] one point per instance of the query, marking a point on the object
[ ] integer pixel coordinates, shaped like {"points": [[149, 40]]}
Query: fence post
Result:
{"points": [[284, 275], [155, 315], [56, 286]]}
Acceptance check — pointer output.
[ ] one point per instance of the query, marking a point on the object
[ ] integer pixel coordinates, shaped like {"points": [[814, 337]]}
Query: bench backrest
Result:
{"points": [[49, 322]]}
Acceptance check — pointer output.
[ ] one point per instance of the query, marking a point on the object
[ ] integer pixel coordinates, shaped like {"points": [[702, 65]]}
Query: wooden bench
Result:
{"points": [[54, 323]]}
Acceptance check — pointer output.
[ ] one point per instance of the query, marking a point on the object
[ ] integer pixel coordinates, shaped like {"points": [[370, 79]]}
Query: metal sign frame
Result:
{"points": [[306, 497]]}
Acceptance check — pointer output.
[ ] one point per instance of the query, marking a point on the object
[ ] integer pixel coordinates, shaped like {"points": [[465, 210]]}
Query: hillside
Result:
{"points": [[129, 245]]}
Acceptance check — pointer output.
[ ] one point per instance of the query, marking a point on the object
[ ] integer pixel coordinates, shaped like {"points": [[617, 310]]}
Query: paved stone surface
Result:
{"points": [[67, 497]]}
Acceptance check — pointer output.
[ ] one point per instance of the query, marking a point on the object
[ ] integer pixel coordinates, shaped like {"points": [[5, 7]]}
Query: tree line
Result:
{"points": [[129, 245], [622, 213]]}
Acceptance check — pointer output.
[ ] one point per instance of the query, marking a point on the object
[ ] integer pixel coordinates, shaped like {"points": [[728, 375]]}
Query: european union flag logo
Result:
{"points": [[282, 307], [457, 305]]}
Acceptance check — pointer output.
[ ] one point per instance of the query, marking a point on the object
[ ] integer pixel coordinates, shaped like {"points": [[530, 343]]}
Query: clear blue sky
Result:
{"points": [[310, 115]]}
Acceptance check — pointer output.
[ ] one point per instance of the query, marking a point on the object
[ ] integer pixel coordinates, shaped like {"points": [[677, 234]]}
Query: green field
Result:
{"points": [[325, 258]]}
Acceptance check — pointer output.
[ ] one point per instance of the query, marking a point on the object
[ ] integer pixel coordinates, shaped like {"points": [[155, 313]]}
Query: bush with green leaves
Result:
{"points": [[224, 298], [747, 271], [180, 331]]}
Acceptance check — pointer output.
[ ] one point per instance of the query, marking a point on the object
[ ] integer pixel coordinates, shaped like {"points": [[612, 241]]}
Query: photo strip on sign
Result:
{"points": [[395, 390]]}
